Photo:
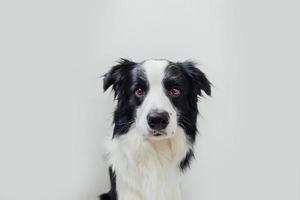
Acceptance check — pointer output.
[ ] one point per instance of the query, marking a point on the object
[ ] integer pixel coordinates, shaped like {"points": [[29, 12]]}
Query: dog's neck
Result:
{"points": [[148, 167]]}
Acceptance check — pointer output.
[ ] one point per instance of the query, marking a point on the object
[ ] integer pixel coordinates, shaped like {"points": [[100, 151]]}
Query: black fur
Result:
{"points": [[128, 76], [112, 194], [191, 81], [185, 163], [125, 78]]}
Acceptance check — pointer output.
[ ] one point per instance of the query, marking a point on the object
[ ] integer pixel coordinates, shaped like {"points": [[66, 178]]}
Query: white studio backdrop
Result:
{"points": [[54, 116]]}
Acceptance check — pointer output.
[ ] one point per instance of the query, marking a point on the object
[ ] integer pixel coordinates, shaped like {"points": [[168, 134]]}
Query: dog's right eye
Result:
{"points": [[174, 92], [139, 92]]}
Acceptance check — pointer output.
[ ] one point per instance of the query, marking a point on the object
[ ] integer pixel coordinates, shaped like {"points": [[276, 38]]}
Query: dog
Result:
{"points": [[154, 127]]}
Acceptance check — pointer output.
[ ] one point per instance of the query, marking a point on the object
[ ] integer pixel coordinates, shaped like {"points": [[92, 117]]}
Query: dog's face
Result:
{"points": [[156, 96]]}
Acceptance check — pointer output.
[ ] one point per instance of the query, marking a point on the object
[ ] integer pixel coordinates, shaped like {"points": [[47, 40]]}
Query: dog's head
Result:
{"points": [[156, 96]]}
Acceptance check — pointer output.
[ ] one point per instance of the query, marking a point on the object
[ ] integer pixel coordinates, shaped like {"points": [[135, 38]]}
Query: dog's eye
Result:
{"points": [[174, 92], [139, 92]]}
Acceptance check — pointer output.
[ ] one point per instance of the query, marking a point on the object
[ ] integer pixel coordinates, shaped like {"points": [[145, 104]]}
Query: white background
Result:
{"points": [[54, 116]]}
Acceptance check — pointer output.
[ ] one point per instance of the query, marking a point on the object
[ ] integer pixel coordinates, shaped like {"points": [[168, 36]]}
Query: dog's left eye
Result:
{"points": [[174, 92], [139, 92]]}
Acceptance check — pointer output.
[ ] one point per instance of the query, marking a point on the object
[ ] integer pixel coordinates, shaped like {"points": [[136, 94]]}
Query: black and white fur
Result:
{"points": [[154, 127]]}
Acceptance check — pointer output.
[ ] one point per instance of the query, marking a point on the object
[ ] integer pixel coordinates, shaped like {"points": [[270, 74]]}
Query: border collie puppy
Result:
{"points": [[154, 127]]}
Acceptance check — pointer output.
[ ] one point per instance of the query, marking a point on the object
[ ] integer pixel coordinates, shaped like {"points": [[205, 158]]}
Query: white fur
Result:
{"points": [[148, 168]]}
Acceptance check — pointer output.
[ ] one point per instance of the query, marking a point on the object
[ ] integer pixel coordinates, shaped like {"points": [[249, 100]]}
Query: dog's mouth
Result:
{"points": [[156, 133]]}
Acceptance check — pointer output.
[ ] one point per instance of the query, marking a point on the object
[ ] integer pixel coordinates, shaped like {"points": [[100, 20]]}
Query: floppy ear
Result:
{"points": [[116, 75], [199, 80]]}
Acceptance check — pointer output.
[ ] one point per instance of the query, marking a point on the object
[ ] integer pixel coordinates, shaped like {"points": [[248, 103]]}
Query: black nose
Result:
{"points": [[158, 120]]}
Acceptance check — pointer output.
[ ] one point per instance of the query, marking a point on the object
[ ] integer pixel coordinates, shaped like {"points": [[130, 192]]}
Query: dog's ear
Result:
{"points": [[198, 78], [116, 75]]}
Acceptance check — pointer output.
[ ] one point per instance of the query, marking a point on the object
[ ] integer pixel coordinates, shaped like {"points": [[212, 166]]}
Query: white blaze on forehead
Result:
{"points": [[156, 97], [155, 71]]}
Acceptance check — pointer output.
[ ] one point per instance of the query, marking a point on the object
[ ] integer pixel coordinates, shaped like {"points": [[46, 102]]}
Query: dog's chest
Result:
{"points": [[148, 170]]}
